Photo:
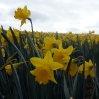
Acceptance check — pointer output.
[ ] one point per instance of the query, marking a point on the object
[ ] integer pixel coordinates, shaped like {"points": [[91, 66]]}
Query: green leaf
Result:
{"points": [[83, 79], [66, 92], [32, 44], [71, 85], [17, 82], [68, 67], [14, 38], [74, 86], [14, 46], [11, 57]]}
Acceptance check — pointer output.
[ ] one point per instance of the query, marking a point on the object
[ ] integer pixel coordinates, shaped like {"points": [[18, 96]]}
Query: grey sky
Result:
{"points": [[53, 15]]}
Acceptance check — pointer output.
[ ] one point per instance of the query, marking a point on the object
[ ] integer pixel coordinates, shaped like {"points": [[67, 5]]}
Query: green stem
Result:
{"points": [[31, 28]]}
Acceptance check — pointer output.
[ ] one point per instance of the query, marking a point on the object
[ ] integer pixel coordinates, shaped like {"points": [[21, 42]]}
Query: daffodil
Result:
{"points": [[22, 14], [82, 37], [3, 41], [89, 70], [62, 55], [73, 68], [9, 69], [51, 42], [44, 68], [9, 35], [3, 52]]}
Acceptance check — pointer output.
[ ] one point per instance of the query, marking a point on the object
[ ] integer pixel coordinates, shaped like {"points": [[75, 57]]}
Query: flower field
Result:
{"points": [[48, 65]]}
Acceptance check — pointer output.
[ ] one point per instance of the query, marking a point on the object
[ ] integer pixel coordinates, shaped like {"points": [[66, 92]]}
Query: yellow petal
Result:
{"points": [[37, 61], [92, 74], [25, 8], [29, 13], [86, 74], [54, 50], [73, 69], [90, 62], [60, 47], [66, 59], [80, 68], [48, 46], [52, 77], [56, 65], [48, 57], [17, 65], [49, 40], [22, 22], [32, 72], [69, 50]]}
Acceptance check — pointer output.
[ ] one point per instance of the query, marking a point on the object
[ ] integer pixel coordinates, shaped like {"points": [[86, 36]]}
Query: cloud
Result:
{"points": [[53, 15], [38, 16]]}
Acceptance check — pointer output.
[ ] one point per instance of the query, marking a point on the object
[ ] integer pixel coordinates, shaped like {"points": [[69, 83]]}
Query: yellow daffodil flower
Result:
{"points": [[89, 70], [51, 42], [22, 14], [62, 55], [9, 35], [9, 69], [73, 68], [44, 68], [3, 41]]}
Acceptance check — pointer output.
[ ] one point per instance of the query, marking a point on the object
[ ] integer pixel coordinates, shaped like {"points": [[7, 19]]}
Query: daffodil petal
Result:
{"points": [[32, 72], [90, 62], [60, 47], [37, 61], [52, 77], [69, 50], [54, 50], [49, 40], [23, 21], [48, 57], [56, 65], [86, 74], [92, 74], [81, 68], [66, 59], [25, 8]]}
